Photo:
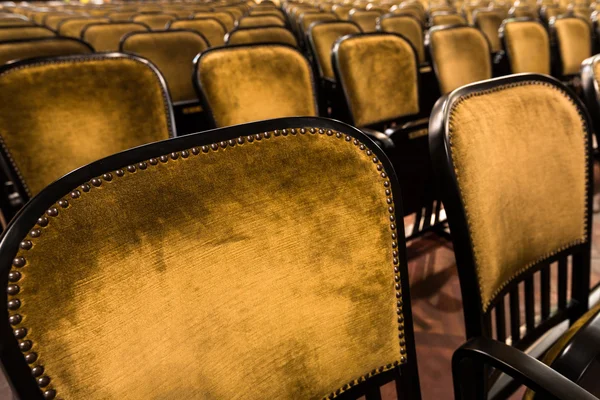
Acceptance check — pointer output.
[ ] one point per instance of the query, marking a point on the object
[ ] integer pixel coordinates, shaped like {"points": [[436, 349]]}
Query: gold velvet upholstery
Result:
{"points": [[323, 36], [407, 26], [447, 19], [173, 52], [52, 20], [308, 18], [342, 11], [574, 42], [460, 56], [48, 136], [366, 19], [378, 74], [272, 11], [252, 83], [262, 34], [46, 47], [106, 37], [212, 30], [7, 21], [223, 17], [156, 22], [527, 46], [523, 12], [73, 27], [255, 271], [25, 32], [489, 22], [121, 16], [523, 189], [235, 11], [410, 9], [260, 20]]}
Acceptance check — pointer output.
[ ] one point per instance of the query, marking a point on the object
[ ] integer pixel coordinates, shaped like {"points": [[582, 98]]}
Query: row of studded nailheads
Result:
{"points": [[360, 380], [14, 276]]}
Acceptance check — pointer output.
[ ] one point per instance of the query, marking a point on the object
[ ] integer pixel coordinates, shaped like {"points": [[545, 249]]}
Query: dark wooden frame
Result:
{"points": [[200, 91], [478, 323], [19, 373]]}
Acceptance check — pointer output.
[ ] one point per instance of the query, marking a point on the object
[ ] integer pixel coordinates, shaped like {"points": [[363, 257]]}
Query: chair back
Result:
{"points": [[10, 33], [407, 26], [365, 19], [261, 34], [45, 47], [107, 36], [526, 45], [212, 30], [573, 40], [72, 27], [156, 21], [489, 22], [260, 20], [322, 36]]}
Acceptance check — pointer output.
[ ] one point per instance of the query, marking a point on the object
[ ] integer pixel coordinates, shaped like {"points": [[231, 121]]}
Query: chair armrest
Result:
{"points": [[469, 360], [380, 138]]}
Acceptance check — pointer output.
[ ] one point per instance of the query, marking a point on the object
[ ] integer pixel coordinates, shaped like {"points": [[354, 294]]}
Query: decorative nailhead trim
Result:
{"points": [[451, 129], [43, 379]]}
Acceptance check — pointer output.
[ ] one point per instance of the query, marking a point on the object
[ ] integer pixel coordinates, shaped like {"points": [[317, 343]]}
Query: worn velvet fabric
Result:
{"points": [[263, 34], [227, 19], [262, 82], [523, 189], [409, 27], [574, 43], [259, 271], [489, 23], [461, 56], [48, 136], [366, 19], [212, 30], [156, 22], [260, 20], [308, 18], [379, 76], [74, 26], [107, 37], [324, 36], [26, 32], [173, 52], [448, 19], [50, 47], [527, 47]]}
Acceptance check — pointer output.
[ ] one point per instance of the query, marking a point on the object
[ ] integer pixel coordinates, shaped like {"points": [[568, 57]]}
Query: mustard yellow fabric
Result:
{"points": [[379, 75], [51, 47], [264, 34], [173, 52], [341, 11], [308, 18], [225, 18], [212, 30], [574, 43], [489, 23], [461, 56], [261, 82], [156, 22], [49, 135], [121, 16], [74, 26], [415, 11], [235, 11], [26, 32], [257, 272], [51, 20], [260, 20], [524, 191], [549, 12], [323, 38], [272, 11], [523, 12], [407, 26], [14, 22], [527, 46], [106, 37], [447, 19], [366, 19]]}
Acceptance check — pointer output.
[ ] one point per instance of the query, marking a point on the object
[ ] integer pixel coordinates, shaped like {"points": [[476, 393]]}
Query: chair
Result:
{"points": [[407, 26], [155, 21], [211, 28], [46, 136], [366, 19], [522, 12], [261, 34], [572, 40], [271, 11], [489, 22], [460, 55], [24, 32], [239, 84], [107, 36], [412, 8], [52, 19], [15, 20], [260, 20], [44, 47], [513, 158], [237, 12], [342, 11], [590, 81], [225, 18], [526, 45], [72, 27], [548, 12], [447, 18], [121, 16], [307, 19]]}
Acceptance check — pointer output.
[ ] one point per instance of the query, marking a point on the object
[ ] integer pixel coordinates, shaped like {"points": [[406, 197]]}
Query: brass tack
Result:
{"points": [[401, 335], [131, 168], [402, 351], [395, 253], [42, 221], [396, 270], [52, 212], [195, 151], [398, 295], [223, 144], [267, 135], [174, 155], [63, 203], [107, 177], [50, 394], [31, 358], [13, 289], [120, 172], [185, 153], [394, 244], [355, 142], [38, 370], [250, 138], [389, 200], [231, 142], [369, 152], [391, 209], [393, 236], [399, 303], [25, 345], [293, 131], [142, 165], [392, 226], [75, 194], [397, 278], [399, 310], [15, 320], [258, 136], [14, 276], [375, 160], [240, 140], [402, 343], [348, 138], [19, 261], [276, 132], [14, 304], [400, 319], [206, 148], [153, 161], [43, 381], [35, 233], [163, 158], [86, 187], [321, 131], [386, 183], [383, 175], [284, 132], [337, 135], [96, 182], [379, 167], [402, 360], [302, 131], [312, 130], [362, 147], [395, 261]]}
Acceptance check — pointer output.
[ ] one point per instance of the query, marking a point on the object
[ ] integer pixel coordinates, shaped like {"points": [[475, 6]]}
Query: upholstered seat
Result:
{"points": [[212, 30], [72, 27], [447, 18], [342, 10], [526, 45], [365, 19], [261, 34], [24, 32], [407, 26], [44, 47], [107, 36], [156, 21], [240, 84], [307, 19], [260, 20], [573, 39], [121, 16], [227, 19]]}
